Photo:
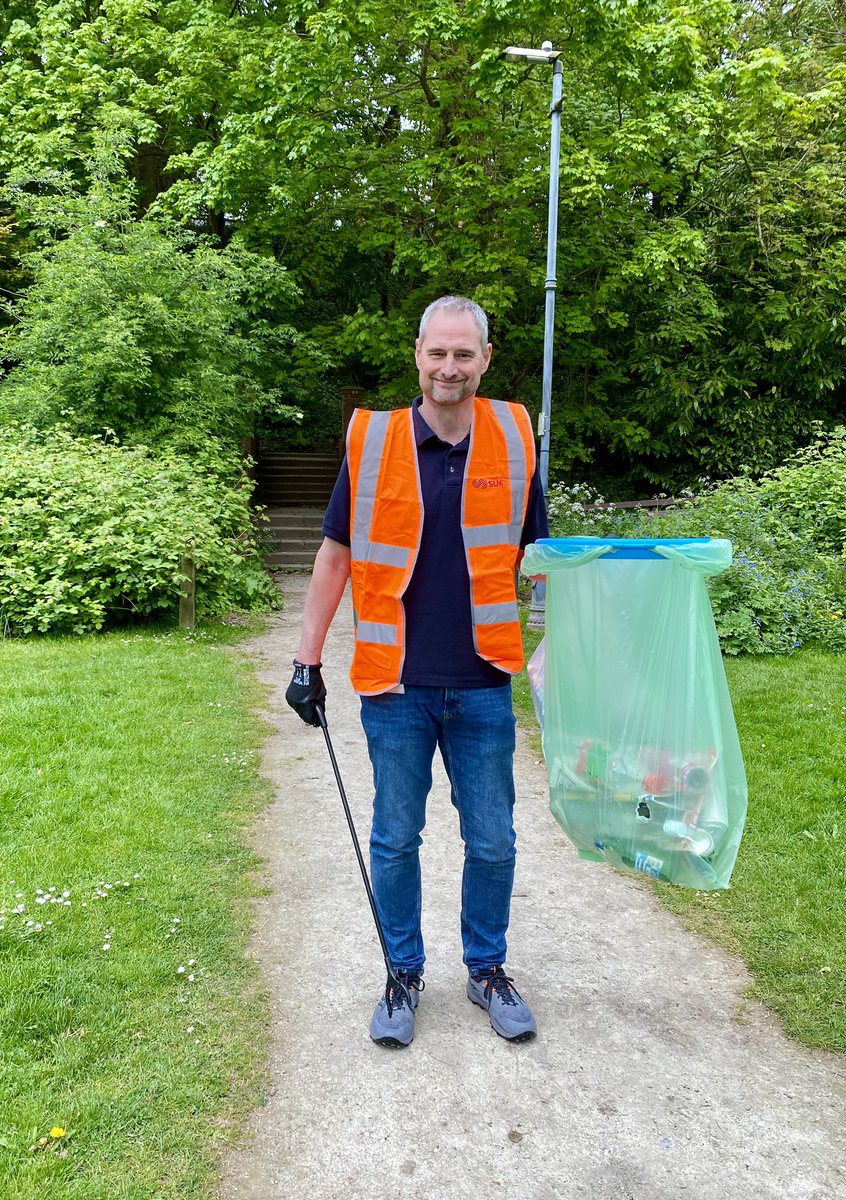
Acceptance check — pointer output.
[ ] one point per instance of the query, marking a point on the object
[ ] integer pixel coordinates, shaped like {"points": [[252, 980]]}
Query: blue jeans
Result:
{"points": [[474, 730]]}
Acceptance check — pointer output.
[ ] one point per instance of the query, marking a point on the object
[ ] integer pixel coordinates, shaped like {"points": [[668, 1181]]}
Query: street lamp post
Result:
{"points": [[546, 55]]}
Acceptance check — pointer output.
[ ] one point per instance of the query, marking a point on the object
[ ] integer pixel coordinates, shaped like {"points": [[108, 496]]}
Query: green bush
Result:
{"points": [[140, 329], [92, 533], [813, 482], [786, 587]]}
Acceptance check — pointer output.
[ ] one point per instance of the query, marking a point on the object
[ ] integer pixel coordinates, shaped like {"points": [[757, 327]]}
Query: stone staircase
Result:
{"points": [[295, 489], [294, 534], [299, 480]]}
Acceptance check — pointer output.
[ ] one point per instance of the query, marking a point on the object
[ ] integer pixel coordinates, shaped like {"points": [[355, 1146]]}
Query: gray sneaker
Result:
{"points": [[509, 1013], [396, 1027]]}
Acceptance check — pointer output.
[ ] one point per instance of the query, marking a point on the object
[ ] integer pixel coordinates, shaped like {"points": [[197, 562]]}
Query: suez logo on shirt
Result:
{"points": [[486, 483]]}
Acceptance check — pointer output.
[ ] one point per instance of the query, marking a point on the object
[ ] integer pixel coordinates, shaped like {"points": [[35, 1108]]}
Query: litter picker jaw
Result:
{"points": [[393, 984]]}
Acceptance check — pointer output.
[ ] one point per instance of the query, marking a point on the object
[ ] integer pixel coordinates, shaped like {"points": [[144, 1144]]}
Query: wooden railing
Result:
{"points": [[655, 505]]}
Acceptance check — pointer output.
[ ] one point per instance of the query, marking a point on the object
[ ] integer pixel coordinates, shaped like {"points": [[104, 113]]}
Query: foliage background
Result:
{"points": [[786, 586], [382, 155]]}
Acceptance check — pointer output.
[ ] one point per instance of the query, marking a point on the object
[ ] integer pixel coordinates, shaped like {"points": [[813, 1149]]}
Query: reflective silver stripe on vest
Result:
{"points": [[388, 556], [493, 535], [365, 499], [494, 614], [382, 635], [517, 465], [361, 547]]}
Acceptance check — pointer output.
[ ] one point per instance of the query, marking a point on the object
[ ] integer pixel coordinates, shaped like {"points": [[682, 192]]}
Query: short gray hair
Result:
{"points": [[456, 304]]}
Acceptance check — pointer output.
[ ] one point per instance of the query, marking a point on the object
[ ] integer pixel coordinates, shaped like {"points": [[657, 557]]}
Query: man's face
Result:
{"points": [[451, 358]]}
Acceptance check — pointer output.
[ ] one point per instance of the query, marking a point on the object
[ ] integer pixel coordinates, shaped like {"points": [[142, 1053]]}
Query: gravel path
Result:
{"points": [[652, 1077]]}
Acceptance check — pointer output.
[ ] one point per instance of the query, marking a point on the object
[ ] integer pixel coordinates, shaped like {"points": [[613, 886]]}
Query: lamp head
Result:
{"points": [[523, 54]]}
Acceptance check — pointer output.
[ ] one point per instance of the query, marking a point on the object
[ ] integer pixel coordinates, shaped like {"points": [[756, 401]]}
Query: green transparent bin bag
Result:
{"points": [[644, 762]]}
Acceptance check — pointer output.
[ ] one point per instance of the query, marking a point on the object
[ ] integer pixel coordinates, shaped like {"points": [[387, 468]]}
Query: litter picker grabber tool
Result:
{"points": [[393, 983]]}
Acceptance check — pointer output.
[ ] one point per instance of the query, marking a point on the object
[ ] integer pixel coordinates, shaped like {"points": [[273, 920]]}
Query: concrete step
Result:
{"points": [[276, 457], [310, 471], [294, 553], [277, 499], [294, 518], [286, 539], [312, 474], [295, 479], [266, 471], [290, 560], [302, 492]]}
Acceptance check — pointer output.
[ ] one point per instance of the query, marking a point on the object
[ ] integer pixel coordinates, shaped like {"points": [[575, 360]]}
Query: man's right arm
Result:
{"points": [[306, 692], [328, 580]]}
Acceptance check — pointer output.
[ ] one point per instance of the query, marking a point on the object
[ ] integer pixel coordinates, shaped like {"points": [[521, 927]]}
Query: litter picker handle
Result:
{"points": [[321, 716]]}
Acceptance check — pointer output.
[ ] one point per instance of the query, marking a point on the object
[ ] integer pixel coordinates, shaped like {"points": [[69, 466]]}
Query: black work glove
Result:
{"points": [[305, 691]]}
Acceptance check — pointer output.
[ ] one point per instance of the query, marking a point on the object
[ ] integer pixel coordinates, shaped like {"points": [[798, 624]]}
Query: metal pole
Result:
{"points": [[538, 608]]}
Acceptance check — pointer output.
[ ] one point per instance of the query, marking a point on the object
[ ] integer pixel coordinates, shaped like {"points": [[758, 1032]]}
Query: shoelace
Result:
{"points": [[500, 983], [396, 998]]}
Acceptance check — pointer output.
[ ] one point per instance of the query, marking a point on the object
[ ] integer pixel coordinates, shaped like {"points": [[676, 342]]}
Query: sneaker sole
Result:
{"points": [[528, 1035], [391, 1043]]}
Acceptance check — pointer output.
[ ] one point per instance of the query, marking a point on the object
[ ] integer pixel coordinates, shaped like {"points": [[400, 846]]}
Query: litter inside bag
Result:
{"points": [[644, 762]]}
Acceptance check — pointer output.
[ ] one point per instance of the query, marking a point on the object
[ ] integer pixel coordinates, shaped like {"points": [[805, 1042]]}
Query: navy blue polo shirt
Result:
{"points": [[439, 650]]}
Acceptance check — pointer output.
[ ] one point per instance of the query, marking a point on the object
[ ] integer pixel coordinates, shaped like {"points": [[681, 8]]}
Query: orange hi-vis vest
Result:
{"points": [[386, 523]]}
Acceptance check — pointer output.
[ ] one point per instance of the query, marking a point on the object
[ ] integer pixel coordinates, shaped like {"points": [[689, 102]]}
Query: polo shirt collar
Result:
{"points": [[422, 431]]}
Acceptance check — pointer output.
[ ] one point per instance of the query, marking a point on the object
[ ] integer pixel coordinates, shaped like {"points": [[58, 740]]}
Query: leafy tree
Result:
{"points": [[154, 76], [768, 201], [13, 277], [142, 329], [677, 333], [384, 155]]}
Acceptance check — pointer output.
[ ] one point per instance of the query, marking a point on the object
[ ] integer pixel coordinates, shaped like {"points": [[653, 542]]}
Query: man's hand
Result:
{"points": [[306, 691]]}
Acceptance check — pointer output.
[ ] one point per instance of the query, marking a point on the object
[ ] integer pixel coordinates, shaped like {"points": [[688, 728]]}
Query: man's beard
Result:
{"points": [[455, 395]]}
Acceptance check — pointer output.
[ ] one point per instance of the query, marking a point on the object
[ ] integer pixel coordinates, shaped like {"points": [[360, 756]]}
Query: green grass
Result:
{"points": [[520, 687], [128, 775], [785, 912], [131, 760]]}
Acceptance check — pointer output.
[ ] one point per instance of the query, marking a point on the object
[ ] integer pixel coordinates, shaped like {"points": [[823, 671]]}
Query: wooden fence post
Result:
{"points": [[188, 590], [351, 398]]}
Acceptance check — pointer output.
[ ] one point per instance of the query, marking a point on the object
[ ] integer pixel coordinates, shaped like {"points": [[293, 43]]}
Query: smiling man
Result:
{"points": [[451, 359], [430, 514]]}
